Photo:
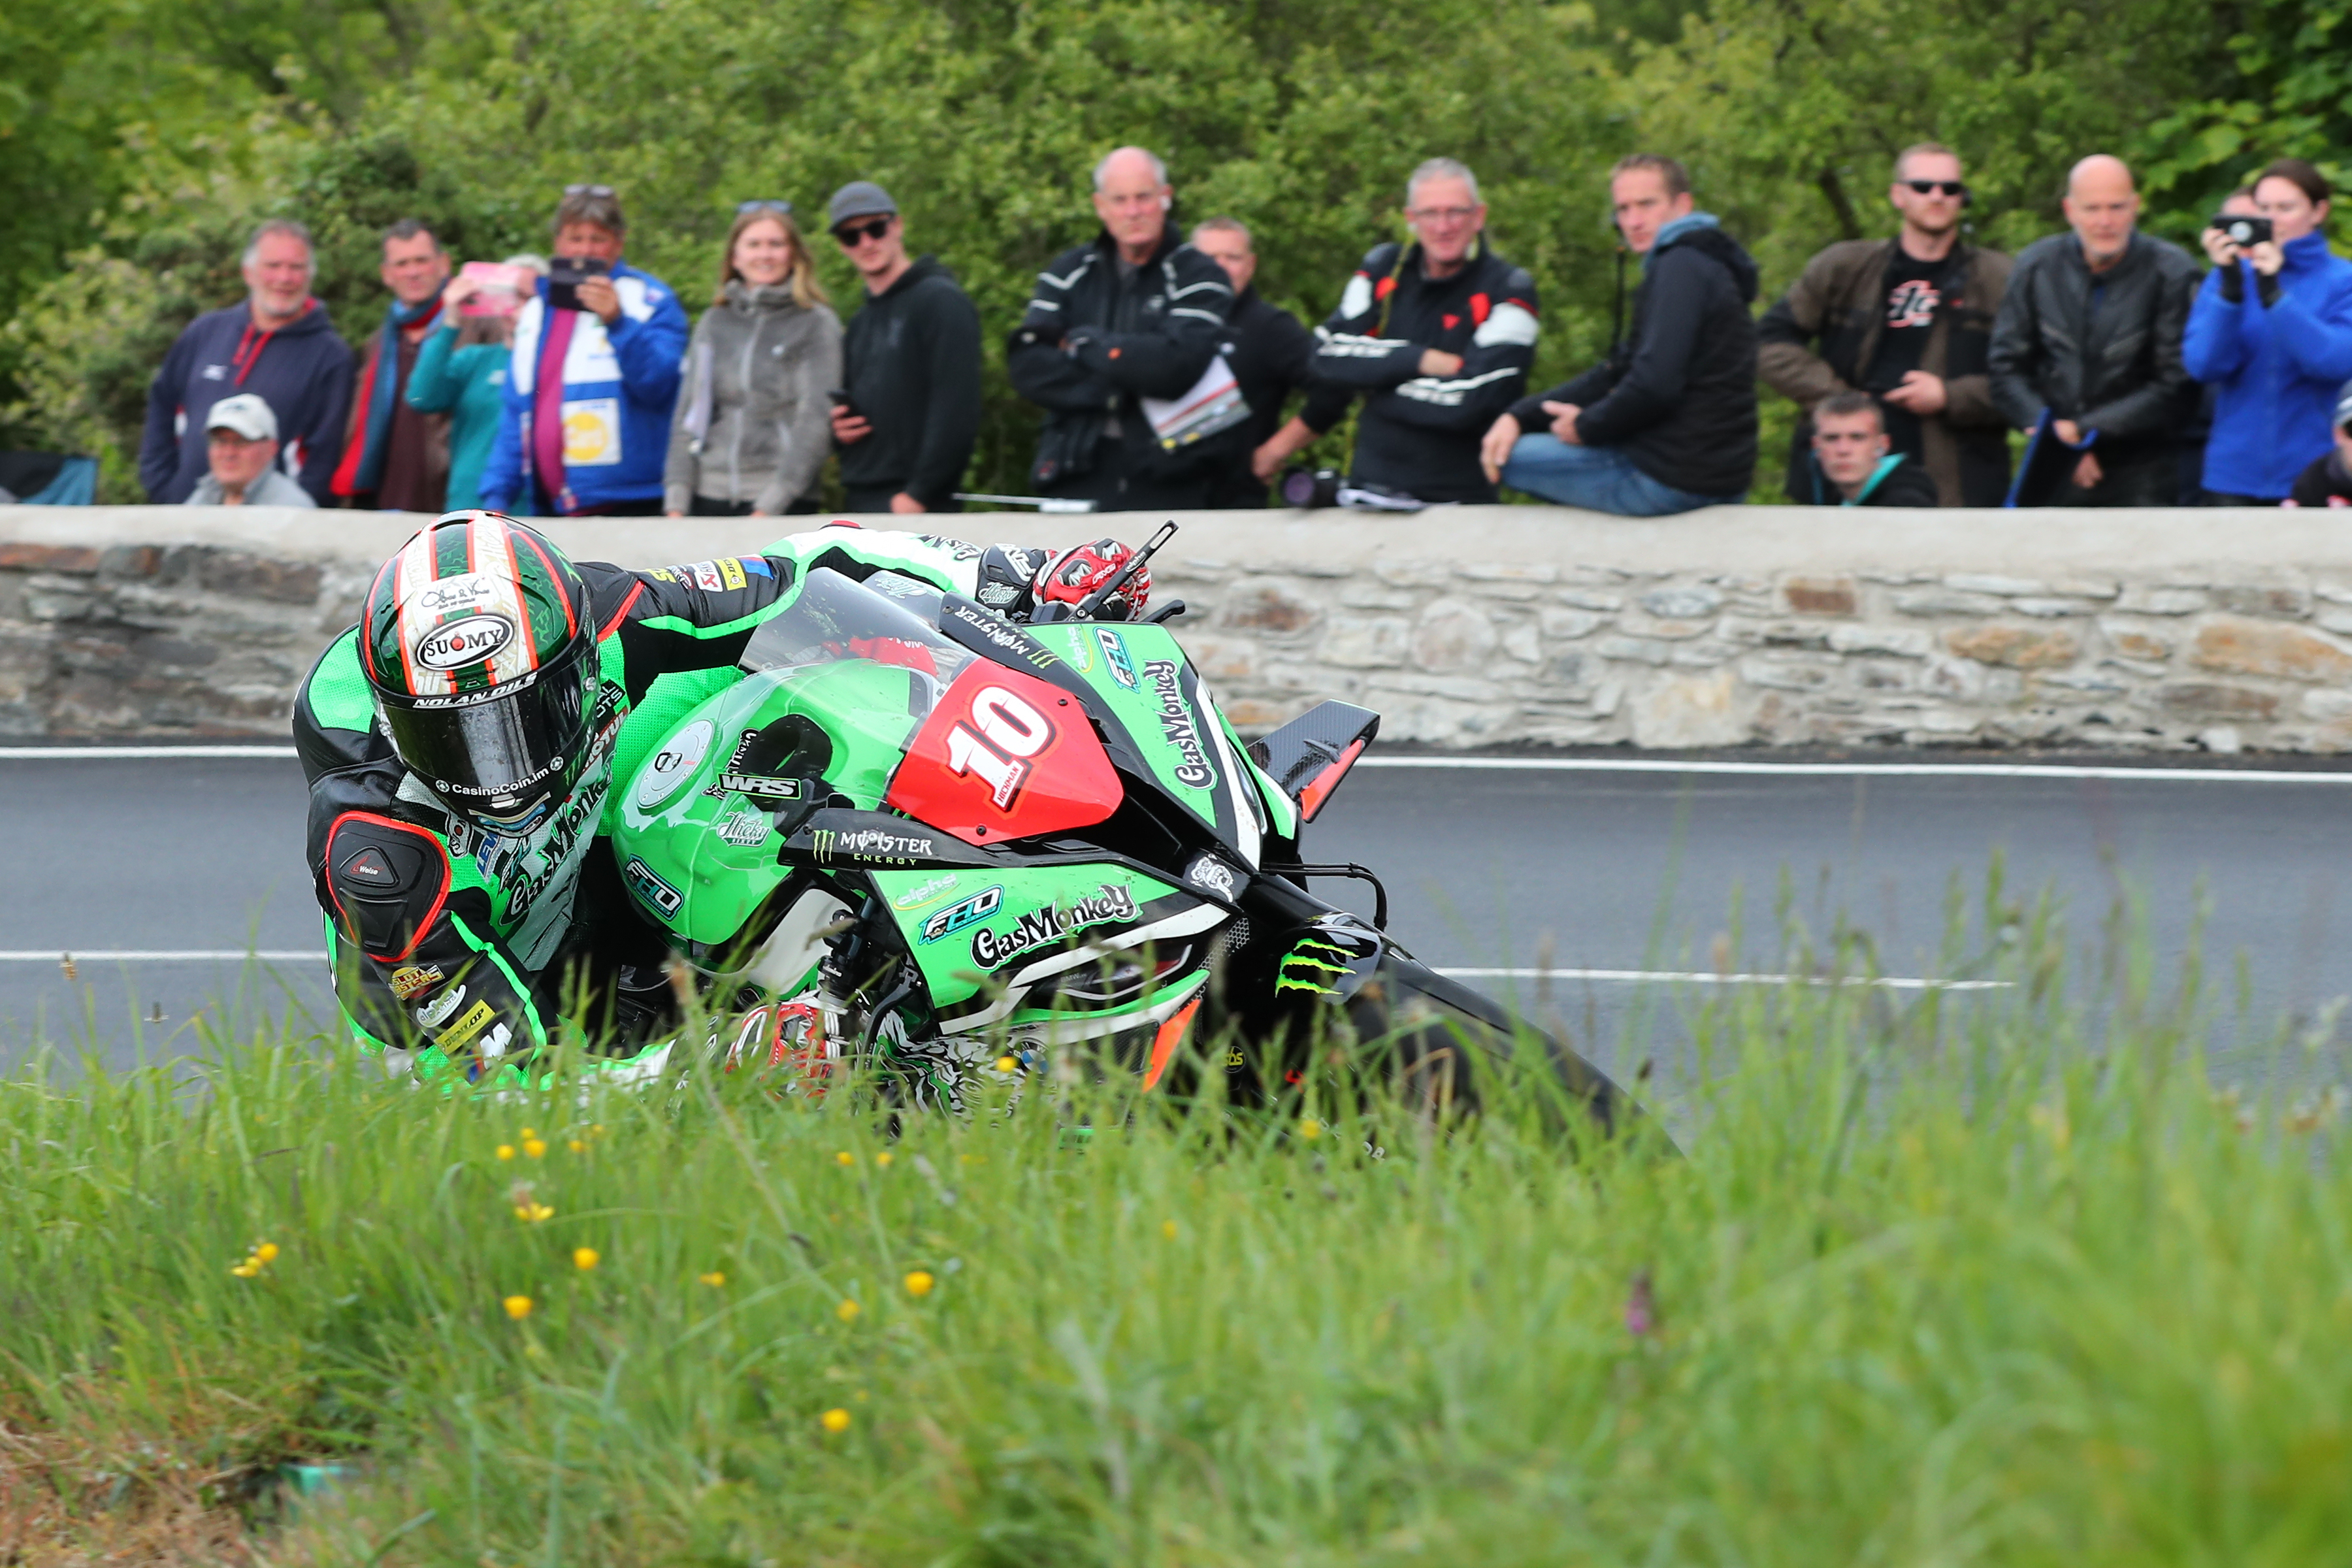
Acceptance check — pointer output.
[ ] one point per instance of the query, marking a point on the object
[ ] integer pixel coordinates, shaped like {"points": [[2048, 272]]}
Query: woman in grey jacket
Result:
{"points": [[752, 428]]}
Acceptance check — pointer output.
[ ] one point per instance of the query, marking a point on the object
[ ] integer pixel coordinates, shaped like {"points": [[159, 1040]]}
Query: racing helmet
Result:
{"points": [[478, 642]]}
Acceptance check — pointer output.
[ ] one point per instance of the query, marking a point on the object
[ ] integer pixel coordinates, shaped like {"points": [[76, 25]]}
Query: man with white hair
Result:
{"points": [[1435, 337], [278, 345], [1118, 346], [2090, 333]]}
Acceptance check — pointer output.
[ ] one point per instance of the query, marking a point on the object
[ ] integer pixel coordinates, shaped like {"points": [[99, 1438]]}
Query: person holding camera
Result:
{"points": [[908, 410], [461, 371], [750, 436], [2271, 332], [1116, 346], [592, 379], [2089, 333]]}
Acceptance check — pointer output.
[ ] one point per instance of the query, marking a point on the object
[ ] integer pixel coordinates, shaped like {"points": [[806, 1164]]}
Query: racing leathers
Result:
{"points": [[456, 945], [1418, 435]]}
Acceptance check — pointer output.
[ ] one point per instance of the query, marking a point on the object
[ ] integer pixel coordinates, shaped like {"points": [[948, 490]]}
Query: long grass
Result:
{"points": [[2001, 1281]]}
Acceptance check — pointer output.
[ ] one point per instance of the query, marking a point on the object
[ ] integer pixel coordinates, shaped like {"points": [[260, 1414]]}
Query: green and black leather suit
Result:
{"points": [[452, 944]]}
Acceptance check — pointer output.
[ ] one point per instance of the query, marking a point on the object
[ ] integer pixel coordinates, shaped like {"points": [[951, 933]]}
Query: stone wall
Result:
{"points": [[1468, 628]]}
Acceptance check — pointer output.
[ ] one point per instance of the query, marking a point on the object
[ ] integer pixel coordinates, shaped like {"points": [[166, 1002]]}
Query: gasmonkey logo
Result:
{"points": [[1176, 726], [1043, 928]]}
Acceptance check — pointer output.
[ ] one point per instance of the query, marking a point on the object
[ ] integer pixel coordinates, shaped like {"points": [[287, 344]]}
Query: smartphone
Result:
{"points": [[502, 288], [565, 276], [840, 399], [2242, 230]]}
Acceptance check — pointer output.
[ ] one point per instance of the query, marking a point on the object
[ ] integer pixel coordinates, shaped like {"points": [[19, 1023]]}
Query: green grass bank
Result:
{"points": [[1935, 1283]]}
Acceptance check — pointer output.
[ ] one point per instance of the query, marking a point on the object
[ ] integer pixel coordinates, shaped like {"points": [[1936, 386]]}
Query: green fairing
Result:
{"points": [[340, 697], [863, 706], [1116, 660], [921, 899]]}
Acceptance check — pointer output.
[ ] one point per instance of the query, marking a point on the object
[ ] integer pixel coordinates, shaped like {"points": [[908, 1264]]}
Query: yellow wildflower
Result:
{"points": [[533, 1213], [1168, 1228], [835, 1419], [244, 1270], [883, 1158], [518, 1307], [534, 1147], [847, 1311], [714, 1278], [530, 1132], [1310, 1128], [583, 1259], [505, 1151], [577, 1147], [267, 1252], [845, 1158], [1006, 1064], [920, 1283]]}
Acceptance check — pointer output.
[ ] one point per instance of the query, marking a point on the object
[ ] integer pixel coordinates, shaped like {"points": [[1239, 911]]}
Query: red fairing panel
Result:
{"points": [[1005, 755]]}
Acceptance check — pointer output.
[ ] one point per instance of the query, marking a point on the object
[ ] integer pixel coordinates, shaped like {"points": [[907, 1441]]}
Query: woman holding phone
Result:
{"points": [[461, 369], [753, 426]]}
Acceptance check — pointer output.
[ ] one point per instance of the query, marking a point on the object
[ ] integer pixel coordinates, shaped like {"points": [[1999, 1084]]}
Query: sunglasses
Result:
{"points": [[763, 205], [1936, 187], [588, 189], [849, 234]]}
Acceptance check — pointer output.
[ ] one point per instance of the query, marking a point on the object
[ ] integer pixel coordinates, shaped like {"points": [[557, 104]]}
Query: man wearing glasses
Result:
{"points": [[1118, 345], [912, 366], [594, 380], [1436, 336], [1908, 320]]}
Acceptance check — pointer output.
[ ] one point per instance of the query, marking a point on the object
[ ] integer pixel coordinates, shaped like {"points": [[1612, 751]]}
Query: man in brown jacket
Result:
{"points": [[1908, 320]]}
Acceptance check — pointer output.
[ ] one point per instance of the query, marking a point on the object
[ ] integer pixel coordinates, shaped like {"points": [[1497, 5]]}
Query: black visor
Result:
{"points": [[502, 752]]}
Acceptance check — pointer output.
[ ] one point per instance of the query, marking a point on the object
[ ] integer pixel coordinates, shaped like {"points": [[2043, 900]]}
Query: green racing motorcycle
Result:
{"points": [[910, 832]]}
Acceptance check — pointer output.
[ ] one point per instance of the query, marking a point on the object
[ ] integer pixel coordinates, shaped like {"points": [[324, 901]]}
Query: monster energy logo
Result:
{"points": [[871, 844], [1043, 928], [1306, 966], [1176, 726]]}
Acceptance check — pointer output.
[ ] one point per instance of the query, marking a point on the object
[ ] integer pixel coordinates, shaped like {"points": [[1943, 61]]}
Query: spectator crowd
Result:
{"points": [[577, 385]]}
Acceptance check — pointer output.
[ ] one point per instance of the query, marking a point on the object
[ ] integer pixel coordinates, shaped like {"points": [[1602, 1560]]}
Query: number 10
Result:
{"points": [[1010, 730]]}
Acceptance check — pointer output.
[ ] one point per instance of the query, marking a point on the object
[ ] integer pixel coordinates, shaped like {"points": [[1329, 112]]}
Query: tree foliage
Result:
{"points": [[984, 117]]}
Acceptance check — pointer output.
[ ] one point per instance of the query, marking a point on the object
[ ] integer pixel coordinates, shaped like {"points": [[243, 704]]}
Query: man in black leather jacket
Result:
{"points": [[2091, 330], [1134, 313]]}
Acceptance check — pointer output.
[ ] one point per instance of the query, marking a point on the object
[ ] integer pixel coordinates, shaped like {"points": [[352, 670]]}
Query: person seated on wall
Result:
{"points": [[1855, 462], [2328, 481], [241, 444]]}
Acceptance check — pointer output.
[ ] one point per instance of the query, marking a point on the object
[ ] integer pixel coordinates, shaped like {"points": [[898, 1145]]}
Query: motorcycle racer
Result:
{"points": [[460, 744]]}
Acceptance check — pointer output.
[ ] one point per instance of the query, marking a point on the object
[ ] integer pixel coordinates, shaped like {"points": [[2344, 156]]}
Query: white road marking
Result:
{"points": [[1868, 770], [159, 955], [82, 753], [1708, 977]]}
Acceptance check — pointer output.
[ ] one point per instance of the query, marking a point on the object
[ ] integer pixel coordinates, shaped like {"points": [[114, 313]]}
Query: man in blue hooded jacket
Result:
{"points": [[1667, 422], [2271, 331], [590, 391]]}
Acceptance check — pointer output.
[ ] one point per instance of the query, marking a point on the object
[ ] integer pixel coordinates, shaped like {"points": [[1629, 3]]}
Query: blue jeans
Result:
{"points": [[1597, 479]]}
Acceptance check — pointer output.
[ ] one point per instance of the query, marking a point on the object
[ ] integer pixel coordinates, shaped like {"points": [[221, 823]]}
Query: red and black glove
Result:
{"points": [[1081, 569]]}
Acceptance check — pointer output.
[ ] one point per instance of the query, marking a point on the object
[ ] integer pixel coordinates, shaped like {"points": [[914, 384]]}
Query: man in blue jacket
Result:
{"points": [[2271, 331], [591, 390], [277, 345]]}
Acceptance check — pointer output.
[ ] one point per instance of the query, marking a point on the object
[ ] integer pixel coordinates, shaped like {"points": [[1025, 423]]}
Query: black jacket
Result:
{"points": [[303, 371], [1270, 354], [911, 366], [2117, 370], [1678, 394], [1419, 434], [1091, 344]]}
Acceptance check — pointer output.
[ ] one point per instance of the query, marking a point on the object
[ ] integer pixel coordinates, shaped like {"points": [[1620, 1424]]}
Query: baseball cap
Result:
{"points": [[860, 198], [246, 414], [2344, 408]]}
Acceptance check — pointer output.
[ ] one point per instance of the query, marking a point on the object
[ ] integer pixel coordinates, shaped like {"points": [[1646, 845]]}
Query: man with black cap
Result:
{"points": [[912, 366]]}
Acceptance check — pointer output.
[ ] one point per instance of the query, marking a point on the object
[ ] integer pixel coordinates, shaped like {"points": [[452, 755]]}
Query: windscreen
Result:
{"points": [[888, 618]]}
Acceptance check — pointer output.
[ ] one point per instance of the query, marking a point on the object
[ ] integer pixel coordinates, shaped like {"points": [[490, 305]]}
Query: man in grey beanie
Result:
{"points": [[912, 366]]}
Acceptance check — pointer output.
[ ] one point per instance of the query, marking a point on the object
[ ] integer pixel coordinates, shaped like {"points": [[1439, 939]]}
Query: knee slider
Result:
{"points": [[390, 882]]}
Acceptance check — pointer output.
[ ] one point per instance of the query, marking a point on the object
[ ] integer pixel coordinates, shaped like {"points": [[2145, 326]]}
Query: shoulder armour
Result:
{"points": [[390, 882], [1380, 259]]}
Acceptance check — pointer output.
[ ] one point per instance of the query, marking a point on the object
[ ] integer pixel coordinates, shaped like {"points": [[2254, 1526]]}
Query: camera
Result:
{"points": [[1311, 486], [2243, 231], [564, 277]]}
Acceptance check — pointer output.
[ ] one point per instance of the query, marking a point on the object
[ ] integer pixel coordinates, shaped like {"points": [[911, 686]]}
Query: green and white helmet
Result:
{"points": [[478, 642]]}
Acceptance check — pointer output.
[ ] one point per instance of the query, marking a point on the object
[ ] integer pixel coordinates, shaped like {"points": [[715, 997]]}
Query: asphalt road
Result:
{"points": [[1597, 875]]}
